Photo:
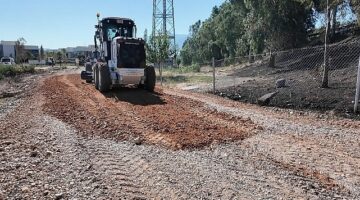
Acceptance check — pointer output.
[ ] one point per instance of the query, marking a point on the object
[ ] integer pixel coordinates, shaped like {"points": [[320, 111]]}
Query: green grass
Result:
{"points": [[175, 79], [13, 70], [184, 69], [183, 74]]}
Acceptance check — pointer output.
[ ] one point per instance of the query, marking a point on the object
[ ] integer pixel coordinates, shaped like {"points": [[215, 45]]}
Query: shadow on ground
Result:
{"points": [[136, 96]]}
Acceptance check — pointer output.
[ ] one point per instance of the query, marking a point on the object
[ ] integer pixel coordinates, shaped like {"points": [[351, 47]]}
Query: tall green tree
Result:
{"points": [[330, 8], [355, 5], [243, 27], [277, 24], [157, 51], [59, 57], [145, 35], [63, 55], [240, 27], [42, 53]]}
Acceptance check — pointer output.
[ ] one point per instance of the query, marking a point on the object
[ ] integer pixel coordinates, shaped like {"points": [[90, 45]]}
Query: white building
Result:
{"points": [[34, 50], [7, 49]]}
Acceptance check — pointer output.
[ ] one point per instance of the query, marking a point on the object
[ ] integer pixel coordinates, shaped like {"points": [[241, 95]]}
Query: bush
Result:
{"points": [[187, 69], [195, 68], [13, 70]]}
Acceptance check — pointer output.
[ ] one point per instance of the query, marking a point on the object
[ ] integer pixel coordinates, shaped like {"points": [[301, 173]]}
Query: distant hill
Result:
{"points": [[180, 39]]}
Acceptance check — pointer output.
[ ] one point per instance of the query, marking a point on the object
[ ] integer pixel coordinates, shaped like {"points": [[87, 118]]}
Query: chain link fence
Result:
{"points": [[290, 79]]}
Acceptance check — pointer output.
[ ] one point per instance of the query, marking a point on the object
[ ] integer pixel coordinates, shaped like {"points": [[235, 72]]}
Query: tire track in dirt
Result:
{"points": [[117, 168], [110, 172], [322, 150]]}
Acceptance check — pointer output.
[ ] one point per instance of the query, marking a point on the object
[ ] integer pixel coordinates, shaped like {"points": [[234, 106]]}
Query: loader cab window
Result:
{"points": [[113, 31]]}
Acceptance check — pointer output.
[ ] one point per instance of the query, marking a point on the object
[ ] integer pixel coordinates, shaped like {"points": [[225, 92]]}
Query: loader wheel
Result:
{"points": [[150, 79], [104, 78], [96, 76]]}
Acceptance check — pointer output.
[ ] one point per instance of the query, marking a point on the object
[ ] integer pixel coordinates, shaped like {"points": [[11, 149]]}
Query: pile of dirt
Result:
{"points": [[302, 91], [134, 114]]}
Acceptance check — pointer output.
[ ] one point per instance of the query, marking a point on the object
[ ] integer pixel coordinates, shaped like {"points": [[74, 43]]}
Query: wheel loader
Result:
{"points": [[119, 58]]}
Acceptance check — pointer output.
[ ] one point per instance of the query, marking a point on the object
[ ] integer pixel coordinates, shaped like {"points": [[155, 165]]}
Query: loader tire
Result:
{"points": [[96, 76], [104, 78], [150, 79]]}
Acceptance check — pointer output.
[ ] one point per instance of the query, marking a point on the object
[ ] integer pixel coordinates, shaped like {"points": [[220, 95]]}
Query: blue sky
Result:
{"points": [[64, 23]]}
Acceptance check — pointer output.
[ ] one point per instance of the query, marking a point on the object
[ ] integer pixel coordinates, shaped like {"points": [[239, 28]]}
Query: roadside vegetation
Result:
{"points": [[170, 79], [184, 74], [184, 69], [14, 70], [242, 28]]}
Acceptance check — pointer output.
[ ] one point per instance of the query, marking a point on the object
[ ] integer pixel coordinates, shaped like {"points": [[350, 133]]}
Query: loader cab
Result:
{"points": [[108, 29], [121, 26]]}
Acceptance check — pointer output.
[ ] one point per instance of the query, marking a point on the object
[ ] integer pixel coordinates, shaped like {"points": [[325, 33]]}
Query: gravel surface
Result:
{"points": [[154, 118], [281, 154]]}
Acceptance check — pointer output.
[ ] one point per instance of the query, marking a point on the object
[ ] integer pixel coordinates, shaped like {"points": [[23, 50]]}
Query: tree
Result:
{"points": [[325, 78], [20, 53], [63, 55], [243, 27], [214, 37], [355, 5], [42, 53], [335, 10], [331, 8], [59, 56], [157, 51], [50, 54], [278, 24], [145, 35]]}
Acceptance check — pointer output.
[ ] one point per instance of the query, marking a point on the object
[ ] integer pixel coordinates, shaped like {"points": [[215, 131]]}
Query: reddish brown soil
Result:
{"points": [[127, 113]]}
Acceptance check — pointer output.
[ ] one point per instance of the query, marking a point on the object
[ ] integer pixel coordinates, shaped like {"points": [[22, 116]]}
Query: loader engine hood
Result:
{"points": [[131, 53]]}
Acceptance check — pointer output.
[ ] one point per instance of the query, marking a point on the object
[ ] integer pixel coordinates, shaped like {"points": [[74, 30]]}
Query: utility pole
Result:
{"points": [[164, 22]]}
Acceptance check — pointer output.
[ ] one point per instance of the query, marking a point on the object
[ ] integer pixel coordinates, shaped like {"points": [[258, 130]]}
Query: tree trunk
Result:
{"points": [[333, 22], [250, 57], [325, 78], [160, 72], [272, 60]]}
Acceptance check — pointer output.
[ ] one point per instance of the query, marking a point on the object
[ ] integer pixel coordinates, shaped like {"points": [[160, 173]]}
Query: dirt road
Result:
{"points": [[65, 140]]}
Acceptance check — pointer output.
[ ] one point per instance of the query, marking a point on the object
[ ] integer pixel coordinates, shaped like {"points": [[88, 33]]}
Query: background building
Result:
{"points": [[7, 49], [33, 50], [75, 52]]}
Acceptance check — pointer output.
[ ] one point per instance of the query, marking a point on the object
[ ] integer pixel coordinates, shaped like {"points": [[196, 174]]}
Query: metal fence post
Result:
{"points": [[213, 65], [356, 103]]}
